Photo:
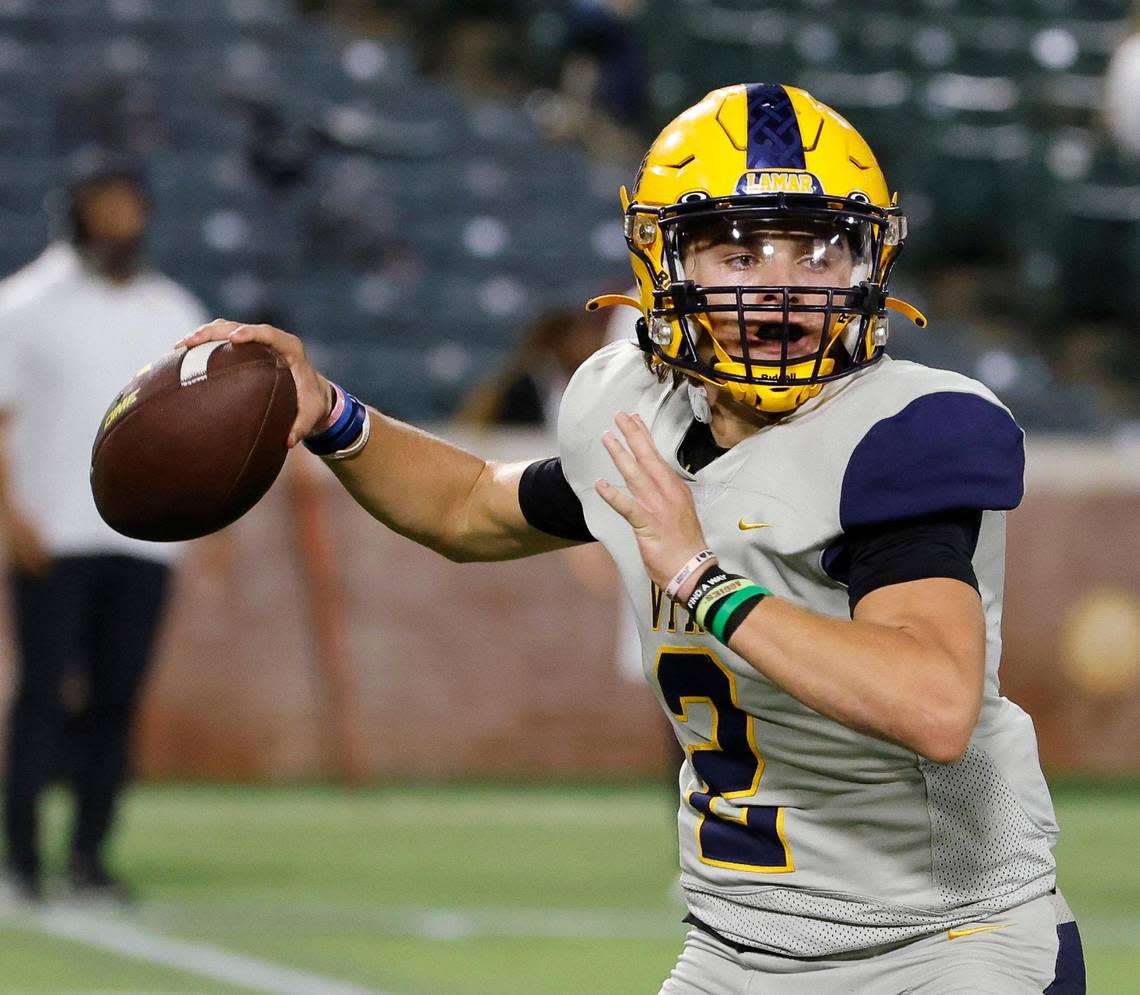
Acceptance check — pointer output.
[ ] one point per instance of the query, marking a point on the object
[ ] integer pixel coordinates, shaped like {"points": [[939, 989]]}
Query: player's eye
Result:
{"points": [[818, 258], [742, 260], [748, 257]]}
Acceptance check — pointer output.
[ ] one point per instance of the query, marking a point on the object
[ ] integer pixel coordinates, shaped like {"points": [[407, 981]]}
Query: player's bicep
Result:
{"points": [[527, 508], [942, 613]]}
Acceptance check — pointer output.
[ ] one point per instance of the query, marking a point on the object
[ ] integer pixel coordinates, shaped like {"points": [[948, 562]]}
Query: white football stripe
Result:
{"points": [[195, 361], [205, 960]]}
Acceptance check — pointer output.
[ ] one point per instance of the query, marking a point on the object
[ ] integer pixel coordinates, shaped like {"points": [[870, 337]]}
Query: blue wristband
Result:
{"points": [[342, 433]]}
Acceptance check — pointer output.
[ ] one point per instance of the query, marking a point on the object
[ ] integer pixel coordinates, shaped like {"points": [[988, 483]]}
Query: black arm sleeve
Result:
{"points": [[940, 545], [549, 503]]}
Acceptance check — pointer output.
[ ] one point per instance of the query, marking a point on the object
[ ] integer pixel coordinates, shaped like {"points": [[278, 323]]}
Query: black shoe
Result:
{"points": [[89, 881], [18, 888]]}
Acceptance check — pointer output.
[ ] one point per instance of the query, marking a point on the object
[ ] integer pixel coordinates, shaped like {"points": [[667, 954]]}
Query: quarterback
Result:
{"points": [[812, 536]]}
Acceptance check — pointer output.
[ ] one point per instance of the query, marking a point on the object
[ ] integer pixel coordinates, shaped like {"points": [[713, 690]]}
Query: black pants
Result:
{"points": [[94, 618]]}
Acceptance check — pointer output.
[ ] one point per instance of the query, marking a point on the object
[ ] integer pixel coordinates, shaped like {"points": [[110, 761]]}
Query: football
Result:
{"points": [[193, 441]]}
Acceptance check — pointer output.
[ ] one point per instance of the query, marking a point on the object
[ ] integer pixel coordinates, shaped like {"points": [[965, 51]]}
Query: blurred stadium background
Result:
{"points": [[352, 784]]}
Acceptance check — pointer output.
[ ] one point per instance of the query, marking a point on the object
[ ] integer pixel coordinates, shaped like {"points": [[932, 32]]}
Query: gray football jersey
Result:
{"points": [[798, 835]]}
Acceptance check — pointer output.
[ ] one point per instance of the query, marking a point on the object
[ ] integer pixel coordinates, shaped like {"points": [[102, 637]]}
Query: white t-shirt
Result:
{"points": [[69, 341]]}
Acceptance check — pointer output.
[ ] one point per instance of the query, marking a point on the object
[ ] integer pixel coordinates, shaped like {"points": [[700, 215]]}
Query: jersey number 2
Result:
{"points": [[750, 838]]}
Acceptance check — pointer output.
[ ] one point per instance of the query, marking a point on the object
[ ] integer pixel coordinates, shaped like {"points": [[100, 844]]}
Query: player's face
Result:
{"points": [[771, 258]]}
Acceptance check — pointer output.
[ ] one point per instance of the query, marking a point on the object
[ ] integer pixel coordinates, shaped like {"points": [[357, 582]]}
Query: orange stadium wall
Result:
{"points": [[417, 667]]}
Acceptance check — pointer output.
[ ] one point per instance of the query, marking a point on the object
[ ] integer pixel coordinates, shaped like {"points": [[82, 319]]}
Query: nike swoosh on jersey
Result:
{"points": [[745, 526], [957, 934]]}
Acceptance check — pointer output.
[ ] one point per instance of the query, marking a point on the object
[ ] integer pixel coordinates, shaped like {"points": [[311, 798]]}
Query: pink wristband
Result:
{"points": [[686, 572], [337, 410]]}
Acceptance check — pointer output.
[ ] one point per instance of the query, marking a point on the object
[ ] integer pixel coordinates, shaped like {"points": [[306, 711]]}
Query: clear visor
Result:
{"points": [[775, 298], [794, 251]]}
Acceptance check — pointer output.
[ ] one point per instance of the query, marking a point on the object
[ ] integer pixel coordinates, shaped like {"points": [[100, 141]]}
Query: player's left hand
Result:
{"points": [[659, 505]]}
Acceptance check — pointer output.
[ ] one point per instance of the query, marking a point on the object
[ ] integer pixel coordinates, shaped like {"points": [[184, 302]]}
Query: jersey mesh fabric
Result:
{"points": [[810, 924], [982, 838]]}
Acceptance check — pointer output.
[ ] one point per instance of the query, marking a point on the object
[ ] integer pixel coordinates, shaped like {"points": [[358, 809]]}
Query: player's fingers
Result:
{"points": [[639, 483], [645, 450], [217, 330], [289, 346], [623, 504]]}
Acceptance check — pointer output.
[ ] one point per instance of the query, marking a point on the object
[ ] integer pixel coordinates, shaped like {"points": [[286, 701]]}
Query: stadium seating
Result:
{"points": [[318, 178]]}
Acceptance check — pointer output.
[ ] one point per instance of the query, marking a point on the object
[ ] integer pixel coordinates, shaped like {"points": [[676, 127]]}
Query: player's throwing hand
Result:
{"points": [[314, 396], [659, 505]]}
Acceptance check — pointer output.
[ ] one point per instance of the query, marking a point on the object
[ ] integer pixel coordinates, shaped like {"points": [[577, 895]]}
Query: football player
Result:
{"points": [[814, 537]]}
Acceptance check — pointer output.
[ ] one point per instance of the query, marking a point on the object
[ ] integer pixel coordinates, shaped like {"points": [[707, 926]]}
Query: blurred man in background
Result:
{"points": [[75, 325], [1122, 91]]}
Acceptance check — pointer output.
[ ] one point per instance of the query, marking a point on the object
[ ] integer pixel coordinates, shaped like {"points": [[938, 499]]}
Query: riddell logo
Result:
{"points": [[777, 181]]}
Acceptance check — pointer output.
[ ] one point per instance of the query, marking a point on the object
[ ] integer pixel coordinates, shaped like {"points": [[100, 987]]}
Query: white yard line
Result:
{"points": [[429, 923], [204, 960]]}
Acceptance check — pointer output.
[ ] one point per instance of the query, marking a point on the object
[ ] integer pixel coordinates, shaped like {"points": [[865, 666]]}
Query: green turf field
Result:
{"points": [[447, 890]]}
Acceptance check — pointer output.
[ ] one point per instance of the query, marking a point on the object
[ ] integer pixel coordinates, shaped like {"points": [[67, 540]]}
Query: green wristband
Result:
{"points": [[726, 606]]}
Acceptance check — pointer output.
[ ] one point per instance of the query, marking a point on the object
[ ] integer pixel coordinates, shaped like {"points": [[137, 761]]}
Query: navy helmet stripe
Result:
{"points": [[774, 140]]}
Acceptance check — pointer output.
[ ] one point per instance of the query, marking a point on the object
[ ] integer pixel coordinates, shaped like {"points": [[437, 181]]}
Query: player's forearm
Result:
{"points": [[885, 681], [437, 494]]}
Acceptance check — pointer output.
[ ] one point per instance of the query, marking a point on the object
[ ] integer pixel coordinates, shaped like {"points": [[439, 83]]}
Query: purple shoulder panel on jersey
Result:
{"points": [[943, 451]]}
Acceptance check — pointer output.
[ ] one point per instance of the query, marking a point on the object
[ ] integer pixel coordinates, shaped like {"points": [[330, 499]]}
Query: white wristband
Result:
{"points": [[355, 446], [686, 572]]}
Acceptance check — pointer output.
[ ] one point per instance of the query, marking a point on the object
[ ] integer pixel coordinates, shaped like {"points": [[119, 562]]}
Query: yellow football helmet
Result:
{"points": [[754, 166]]}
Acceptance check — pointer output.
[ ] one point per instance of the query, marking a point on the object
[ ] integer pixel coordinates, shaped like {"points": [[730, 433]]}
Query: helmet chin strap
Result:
{"points": [[769, 398]]}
